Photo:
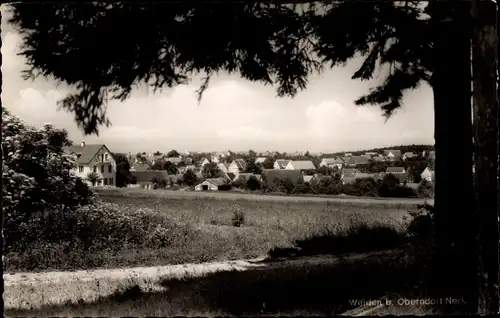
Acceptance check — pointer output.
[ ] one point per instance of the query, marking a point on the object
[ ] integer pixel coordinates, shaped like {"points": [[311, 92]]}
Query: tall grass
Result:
{"points": [[157, 230]]}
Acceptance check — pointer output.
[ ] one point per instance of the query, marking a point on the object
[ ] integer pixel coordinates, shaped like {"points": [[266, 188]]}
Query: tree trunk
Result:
{"points": [[485, 112], [2, 216], [455, 261]]}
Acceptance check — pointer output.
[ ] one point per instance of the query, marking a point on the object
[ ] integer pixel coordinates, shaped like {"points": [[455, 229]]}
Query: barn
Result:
{"points": [[213, 184]]}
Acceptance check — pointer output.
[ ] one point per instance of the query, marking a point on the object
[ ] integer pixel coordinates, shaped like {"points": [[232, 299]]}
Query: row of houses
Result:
{"points": [[98, 159]]}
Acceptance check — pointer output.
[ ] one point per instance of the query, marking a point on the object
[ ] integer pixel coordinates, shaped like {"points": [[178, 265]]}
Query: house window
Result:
{"points": [[106, 156], [109, 168], [95, 168], [110, 181], [105, 181], [102, 169], [80, 168]]}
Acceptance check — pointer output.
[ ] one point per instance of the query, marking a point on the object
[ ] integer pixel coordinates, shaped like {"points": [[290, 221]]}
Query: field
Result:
{"points": [[269, 221], [187, 227]]}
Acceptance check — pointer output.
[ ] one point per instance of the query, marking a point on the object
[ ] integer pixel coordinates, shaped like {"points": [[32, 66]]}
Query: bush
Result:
{"points": [[252, 183], [331, 186], [238, 217], [425, 189], [362, 187], [37, 176], [391, 187]]}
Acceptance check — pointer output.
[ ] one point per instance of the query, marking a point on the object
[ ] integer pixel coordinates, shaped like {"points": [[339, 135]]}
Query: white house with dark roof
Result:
{"points": [[331, 162], [213, 184], [237, 166], [96, 158], [391, 154], [260, 160], [300, 165], [408, 155], [281, 163], [204, 162], [427, 174]]}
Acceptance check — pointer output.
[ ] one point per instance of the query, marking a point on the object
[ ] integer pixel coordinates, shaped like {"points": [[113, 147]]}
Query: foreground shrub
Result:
{"points": [[71, 239], [425, 189], [36, 175], [238, 217]]}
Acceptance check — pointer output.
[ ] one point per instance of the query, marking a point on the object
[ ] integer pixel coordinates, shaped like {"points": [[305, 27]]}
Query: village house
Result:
{"points": [[95, 158], [213, 184], [224, 167], [331, 163], [260, 160], [281, 163], [144, 179], [138, 166], [174, 160], [408, 155], [317, 179], [302, 165], [347, 154], [392, 155], [237, 166], [357, 161], [215, 159], [348, 175], [204, 162], [243, 177], [269, 175], [307, 179], [398, 172], [427, 174], [183, 169]]}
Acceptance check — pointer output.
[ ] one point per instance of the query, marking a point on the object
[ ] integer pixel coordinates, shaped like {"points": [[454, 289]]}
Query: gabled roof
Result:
{"points": [[86, 153], [302, 165], [260, 160], [375, 176], [358, 160], [332, 161], [216, 181], [148, 175], [174, 159], [282, 163], [349, 173], [393, 151], [231, 175], [246, 176], [270, 174], [395, 170], [240, 163], [140, 166], [308, 179]]}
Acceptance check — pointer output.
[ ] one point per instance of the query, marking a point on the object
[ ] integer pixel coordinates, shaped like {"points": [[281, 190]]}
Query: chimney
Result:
{"points": [[82, 144]]}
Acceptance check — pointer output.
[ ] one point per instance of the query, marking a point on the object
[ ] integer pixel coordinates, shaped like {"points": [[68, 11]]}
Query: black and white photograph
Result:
{"points": [[250, 158]]}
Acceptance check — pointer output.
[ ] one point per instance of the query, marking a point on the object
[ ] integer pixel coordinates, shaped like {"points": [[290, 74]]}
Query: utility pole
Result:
{"points": [[485, 121]]}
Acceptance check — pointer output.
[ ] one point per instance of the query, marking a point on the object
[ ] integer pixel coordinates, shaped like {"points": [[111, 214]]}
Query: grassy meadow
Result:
{"points": [[153, 228]]}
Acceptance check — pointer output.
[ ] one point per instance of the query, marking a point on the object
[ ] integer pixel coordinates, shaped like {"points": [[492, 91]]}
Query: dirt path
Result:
{"points": [[34, 290]]}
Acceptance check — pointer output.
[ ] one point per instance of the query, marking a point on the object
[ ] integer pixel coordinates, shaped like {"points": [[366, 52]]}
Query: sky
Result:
{"points": [[234, 114]]}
